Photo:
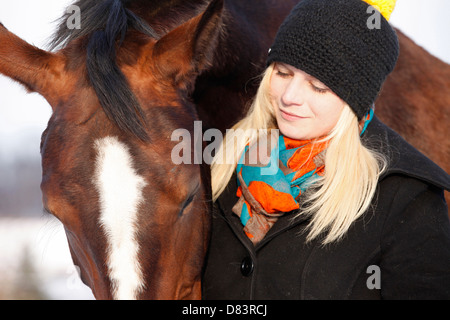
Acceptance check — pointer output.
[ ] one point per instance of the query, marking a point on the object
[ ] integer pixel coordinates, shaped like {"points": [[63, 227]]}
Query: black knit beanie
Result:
{"points": [[334, 41]]}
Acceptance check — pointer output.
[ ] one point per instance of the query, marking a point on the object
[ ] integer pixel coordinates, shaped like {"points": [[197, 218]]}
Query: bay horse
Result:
{"points": [[137, 225]]}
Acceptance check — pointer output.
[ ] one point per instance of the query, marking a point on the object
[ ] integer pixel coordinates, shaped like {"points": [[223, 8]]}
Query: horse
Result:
{"points": [[138, 225], [415, 102]]}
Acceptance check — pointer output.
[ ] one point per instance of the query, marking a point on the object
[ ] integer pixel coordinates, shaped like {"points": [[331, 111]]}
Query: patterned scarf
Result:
{"points": [[270, 187], [265, 196]]}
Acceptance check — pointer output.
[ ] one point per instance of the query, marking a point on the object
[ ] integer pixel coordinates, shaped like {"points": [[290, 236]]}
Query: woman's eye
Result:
{"points": [[318, 89], [282, 74]]}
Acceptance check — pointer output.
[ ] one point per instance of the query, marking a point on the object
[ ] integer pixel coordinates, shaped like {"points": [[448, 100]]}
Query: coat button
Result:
{"points": [[247, 266]]}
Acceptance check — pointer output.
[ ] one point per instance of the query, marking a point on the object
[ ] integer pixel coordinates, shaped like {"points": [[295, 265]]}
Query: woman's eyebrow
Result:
{"points": [[307, 75], [283, 65], [314, 79]]}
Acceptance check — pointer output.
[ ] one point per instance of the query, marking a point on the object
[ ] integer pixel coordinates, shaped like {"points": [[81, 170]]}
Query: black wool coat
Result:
{"points": [[399, 249]]}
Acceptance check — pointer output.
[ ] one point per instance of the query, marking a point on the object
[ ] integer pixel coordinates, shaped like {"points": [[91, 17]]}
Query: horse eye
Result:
{"points": [[189, 200], [186, 203]]}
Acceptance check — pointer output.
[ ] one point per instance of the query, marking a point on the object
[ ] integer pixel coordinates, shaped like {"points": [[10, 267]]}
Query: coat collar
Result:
{"points": [[404, 158]]}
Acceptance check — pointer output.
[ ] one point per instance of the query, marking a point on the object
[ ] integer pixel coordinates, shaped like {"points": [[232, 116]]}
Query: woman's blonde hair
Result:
{"points": [[336, 199]]}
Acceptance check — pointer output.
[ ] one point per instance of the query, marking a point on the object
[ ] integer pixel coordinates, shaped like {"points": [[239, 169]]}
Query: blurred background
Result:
{"points": [[35, 262]]}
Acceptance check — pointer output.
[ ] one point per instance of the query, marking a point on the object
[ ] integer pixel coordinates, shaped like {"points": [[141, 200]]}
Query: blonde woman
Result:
{"points": [[315, 198]]}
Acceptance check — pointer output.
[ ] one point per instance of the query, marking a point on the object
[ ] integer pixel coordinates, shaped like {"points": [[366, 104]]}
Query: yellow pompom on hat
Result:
{"points": [[386, 7]]}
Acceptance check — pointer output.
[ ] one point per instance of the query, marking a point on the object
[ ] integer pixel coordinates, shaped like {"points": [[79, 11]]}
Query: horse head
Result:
{"points": [[137, 224]]}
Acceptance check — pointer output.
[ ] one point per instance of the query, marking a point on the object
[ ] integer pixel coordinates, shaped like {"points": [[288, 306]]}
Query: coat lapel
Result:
{"points": [[404, 158]]}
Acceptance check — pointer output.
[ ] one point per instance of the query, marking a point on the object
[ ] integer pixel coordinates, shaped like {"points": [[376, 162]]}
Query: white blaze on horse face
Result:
{"points": [[120, 190]]}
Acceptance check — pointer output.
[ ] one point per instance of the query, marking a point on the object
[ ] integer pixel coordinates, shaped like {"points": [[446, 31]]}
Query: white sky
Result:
{"points": [[24, 116]]}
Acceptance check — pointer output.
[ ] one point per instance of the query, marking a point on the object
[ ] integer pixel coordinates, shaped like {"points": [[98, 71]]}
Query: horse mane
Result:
{"points": [[105, 24]]}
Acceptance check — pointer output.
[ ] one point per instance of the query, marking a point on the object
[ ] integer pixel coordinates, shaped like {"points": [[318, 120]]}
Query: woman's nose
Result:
{"points": [[293, 95]]}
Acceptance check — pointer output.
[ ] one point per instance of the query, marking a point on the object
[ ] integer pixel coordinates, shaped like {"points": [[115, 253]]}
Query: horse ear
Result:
{"points": [[188, 50], [36, 69]]}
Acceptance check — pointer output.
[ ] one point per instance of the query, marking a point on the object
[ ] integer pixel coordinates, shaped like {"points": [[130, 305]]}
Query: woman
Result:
{"points": [[351, 211]]}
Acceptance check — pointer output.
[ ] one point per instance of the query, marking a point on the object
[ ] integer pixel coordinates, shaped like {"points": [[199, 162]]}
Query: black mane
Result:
{"points": [[106, 22], [94, 16]]}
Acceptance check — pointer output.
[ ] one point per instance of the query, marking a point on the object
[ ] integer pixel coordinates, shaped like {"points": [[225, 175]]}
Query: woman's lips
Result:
{"points": [[289, 116]]}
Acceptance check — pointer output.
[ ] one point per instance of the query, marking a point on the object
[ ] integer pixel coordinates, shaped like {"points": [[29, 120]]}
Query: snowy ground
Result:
{"points": [[35, 257]]}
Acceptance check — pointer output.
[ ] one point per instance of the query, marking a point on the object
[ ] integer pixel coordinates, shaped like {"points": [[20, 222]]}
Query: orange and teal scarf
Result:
{"points": [[263, 198], [267, 192]]}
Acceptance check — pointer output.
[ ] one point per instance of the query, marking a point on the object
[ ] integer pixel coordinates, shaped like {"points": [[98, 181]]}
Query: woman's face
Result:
{"points": [[304, 107]]}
